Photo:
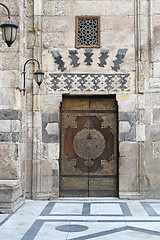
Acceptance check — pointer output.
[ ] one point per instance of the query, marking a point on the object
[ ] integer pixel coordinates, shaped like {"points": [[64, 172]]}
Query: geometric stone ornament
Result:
{"points": [[103, 57], [124, 126], [71, 228], [52, 128], [87, 31], [58, 60], [76, 60], [39, 223], [104, 83], [119, 59], [49, 132], [129, 117]]}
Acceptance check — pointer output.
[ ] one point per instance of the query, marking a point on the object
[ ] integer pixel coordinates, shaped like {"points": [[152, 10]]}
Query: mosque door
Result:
{"points": [[88, 159]]}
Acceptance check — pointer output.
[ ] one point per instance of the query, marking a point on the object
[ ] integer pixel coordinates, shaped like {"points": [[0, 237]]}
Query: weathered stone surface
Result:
{"points": [[156, 116], [128, 149], [126, 102], [131, 118], [52, 128], [156, 148], [124, 126], [10, 193], [46, 137], [140, 132], [153, 133], [47, 26]]}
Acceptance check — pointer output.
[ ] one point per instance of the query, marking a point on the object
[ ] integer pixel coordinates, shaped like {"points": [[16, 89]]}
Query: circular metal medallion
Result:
{"points": [[89, 144]]}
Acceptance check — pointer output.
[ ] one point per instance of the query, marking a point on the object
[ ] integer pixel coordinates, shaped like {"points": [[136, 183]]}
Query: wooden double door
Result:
{"points": [[88, 154]]}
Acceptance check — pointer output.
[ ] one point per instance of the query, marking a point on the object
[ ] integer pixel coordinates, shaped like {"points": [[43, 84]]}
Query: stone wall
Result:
{"points": [[108, 70], [126, 64], [12, 113], [122, 66]]}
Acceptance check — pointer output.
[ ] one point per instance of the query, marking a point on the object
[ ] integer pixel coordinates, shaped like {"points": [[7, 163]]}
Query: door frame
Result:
{"points": [[60, 131]]}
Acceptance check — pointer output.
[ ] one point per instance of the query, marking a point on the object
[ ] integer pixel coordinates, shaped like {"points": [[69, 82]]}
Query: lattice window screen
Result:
{"points": [[87, 32]]}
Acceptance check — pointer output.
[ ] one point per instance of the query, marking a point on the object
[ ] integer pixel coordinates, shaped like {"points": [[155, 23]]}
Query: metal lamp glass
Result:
{"points": [[9, 32], [39, 75], [9, 28]]}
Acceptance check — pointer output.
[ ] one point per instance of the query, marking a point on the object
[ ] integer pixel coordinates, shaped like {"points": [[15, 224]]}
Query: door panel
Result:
{"points": [[88, 162]]}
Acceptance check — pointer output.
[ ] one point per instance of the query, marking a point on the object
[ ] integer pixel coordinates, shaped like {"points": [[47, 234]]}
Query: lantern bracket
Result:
{"points": [[24, 73], [9, 15]]}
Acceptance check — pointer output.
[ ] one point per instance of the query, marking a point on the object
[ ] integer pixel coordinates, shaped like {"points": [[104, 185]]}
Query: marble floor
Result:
{"points": [[80, 219]]}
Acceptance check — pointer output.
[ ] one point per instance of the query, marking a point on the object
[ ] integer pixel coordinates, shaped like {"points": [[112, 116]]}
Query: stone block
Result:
{"points": [[60, 24], [36, 102], [15, 126], [7, 61], [156, 54], [55, 172], [155, 84], [130, 164], [125, 8], [30, 39], [48, 61], [128, 149], [14, 8], [150, 182], [112, 38], [12, 78], [37, 135], [131, 118], [141, 101], [37, 7], [9, 114], [58, 8], [117, 23], [126, 102], [49, 118], [152, 165], [141, 116], [50, 103], [10, 199], [154, 100], [8, 102], [52, 128], [140, 132], [156, 148], [156, 7], [63, 8], [124, 183], [156, 116], [37, 120], [46, 168], [156, 67], [153, 133], [5, 126], [124, 126], [53, 151]]}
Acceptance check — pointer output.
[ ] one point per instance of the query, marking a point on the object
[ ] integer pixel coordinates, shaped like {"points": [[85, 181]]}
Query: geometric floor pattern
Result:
{"points": [[82, 219]]}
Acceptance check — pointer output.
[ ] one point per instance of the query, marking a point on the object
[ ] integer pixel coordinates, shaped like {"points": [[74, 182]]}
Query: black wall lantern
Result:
{"points": [[9, 29], [38, 74]]}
